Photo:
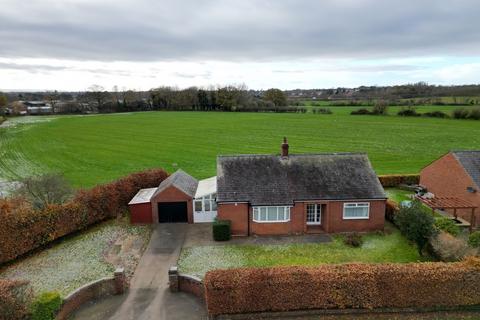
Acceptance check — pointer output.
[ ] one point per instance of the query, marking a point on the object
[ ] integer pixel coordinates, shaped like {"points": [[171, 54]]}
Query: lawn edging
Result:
{"points": [[101, 288], [185, 283]]}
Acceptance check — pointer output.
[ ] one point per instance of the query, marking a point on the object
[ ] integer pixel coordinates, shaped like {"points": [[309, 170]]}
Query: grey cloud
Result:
{"points": [[33, 68], [148, 30]]}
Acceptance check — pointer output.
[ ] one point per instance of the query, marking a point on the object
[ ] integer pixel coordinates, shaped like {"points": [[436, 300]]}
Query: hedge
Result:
{"points": [[15, 295], [391, 209], [347, 286], [394, 180], [23, 228], [221, 230], [46, 305]]}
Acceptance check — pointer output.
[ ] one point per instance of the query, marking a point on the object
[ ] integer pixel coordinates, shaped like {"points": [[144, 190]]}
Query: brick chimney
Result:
{"points": [[285, 147]]}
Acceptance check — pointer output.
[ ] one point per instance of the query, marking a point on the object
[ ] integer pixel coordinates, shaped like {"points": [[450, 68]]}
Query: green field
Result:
{"points": [[100, 148]]}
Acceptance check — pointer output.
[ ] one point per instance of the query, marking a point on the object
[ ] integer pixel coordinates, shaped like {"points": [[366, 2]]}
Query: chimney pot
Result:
{"points": [[285, 147]]}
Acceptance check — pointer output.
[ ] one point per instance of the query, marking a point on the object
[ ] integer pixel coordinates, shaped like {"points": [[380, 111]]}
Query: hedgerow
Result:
{"points": [[395, 180], [15, 296], [346, 286], [22, 228]]}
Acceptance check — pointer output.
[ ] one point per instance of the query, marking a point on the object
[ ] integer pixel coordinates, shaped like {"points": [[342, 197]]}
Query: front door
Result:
{"points": [[314, 214]]}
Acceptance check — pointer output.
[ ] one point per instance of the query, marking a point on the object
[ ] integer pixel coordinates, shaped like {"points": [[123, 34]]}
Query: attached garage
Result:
{"points": [[171, 202]]}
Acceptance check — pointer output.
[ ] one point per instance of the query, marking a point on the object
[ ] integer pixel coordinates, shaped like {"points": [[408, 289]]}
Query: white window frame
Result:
{"points": [[316, 207], [257, 215], [356, 205], [211, 198]]}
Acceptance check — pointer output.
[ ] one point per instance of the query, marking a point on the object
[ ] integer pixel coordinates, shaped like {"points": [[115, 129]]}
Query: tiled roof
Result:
{"points": [[470, 160], [180, 180], [274, 180]]}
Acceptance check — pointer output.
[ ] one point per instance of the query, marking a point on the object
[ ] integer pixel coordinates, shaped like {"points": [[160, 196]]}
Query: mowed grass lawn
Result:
{"points": [[377, 248], [99, 148]]}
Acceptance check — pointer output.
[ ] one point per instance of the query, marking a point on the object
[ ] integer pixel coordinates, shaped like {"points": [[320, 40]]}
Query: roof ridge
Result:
{"points": [[292, 154]]}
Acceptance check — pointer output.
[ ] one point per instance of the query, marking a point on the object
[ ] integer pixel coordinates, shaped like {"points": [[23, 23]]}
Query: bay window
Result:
{"points": [[271, 214]]}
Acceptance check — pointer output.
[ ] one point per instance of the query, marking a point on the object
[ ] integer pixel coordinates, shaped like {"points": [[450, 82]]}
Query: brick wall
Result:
{"points": [[185, 283], [445, 177], [141, 213], [172, 194], [336, 223], [237, 214], [92, 291]]}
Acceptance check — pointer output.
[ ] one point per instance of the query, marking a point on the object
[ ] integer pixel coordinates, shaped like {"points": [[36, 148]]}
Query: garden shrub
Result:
{"points": [[408, 112], [435, 114], [447, 225], [15, 295], [345, 286], [394, 180], [446, 247], [474, 239], [221, 230], [360, 111], [416, 224], [45, 306], [87, 207], [353, 240]]}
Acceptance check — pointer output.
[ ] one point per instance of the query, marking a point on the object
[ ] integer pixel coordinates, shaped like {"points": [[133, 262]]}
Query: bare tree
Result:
{"points": [[52, 98], [46, 189]]}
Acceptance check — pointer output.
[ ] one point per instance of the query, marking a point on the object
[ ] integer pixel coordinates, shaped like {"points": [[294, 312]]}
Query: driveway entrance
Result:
{"points": [[149, 296]]}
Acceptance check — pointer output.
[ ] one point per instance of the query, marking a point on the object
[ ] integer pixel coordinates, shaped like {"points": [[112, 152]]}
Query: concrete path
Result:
{"points": [[149, 296]]}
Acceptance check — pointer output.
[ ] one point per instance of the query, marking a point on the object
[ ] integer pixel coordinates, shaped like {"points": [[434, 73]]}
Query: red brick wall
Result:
{"points": [[237, 214], [445, 177], [172, 194], [334, 221], [141, 213]]}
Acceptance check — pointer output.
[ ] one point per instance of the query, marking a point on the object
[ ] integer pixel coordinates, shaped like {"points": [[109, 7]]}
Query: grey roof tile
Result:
{"points": [[273, 180], [180, 180], [470, 160]]}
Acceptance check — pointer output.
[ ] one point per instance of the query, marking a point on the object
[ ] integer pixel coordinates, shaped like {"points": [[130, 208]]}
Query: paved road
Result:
{"points": [[149, 296]]}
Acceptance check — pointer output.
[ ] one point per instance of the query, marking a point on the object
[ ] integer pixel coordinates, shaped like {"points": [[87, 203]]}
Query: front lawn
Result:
{"points": [[80, 259], [377, 248]]}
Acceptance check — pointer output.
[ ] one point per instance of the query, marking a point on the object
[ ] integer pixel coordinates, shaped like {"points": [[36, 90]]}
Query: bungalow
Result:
{"points": [[273, 194], [456, 175]]}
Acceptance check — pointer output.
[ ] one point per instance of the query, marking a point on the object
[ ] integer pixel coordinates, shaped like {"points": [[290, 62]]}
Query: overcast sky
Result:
{"points": [[140, 44]]}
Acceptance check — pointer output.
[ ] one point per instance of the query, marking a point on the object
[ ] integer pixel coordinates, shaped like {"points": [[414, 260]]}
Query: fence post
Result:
{"points": [[173, 278]]}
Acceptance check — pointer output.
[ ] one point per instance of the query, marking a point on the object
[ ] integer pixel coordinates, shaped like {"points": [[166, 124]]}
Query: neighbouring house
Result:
{"points": [[179, 198], [273, 194], [456, 176], [38, 107]]}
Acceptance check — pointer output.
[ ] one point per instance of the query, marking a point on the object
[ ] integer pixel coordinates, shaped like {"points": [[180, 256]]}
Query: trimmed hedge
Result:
{"points": [[22, 228], [14, 297], [394, 180], [221, 230], [391, 209], [346, 286], [46, 305]]}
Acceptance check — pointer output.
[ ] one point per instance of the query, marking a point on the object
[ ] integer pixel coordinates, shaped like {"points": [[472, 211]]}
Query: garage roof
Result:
{"points": [[143, 196], [180, 180]]}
